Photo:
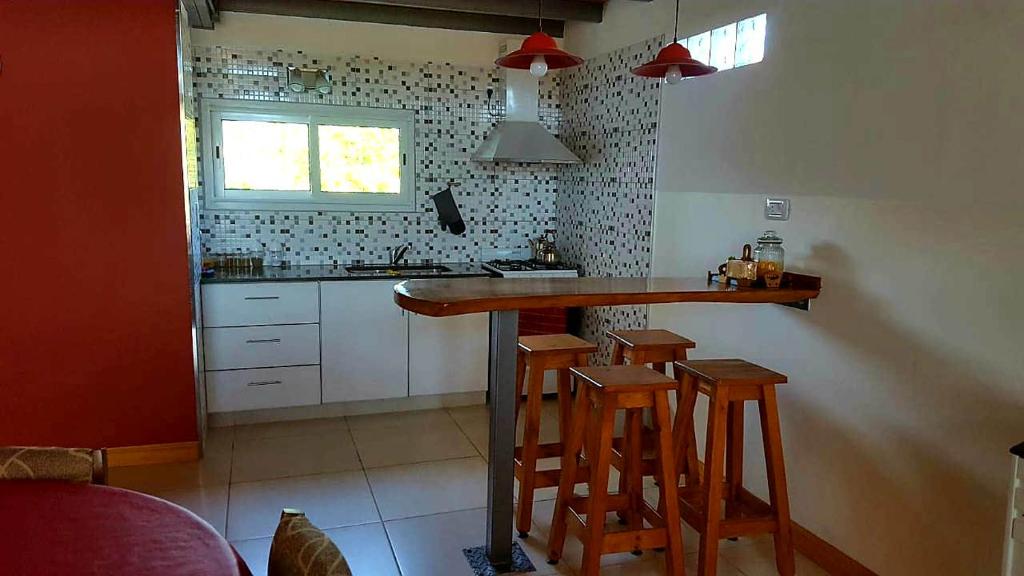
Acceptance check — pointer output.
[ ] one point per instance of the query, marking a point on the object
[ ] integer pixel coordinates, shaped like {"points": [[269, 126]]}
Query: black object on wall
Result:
{"points": [[448, 212]]}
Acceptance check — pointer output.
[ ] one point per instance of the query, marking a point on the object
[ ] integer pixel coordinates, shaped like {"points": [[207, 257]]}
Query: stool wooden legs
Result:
{"points": [[714, 462], [570, 467], [593, 423], [531, 440], [724, 459], [602, 421], [779, 498], [668, 497], [685, 436]]}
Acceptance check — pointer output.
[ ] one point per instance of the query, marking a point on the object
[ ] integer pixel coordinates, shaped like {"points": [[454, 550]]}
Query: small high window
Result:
{"points": [[730, 46], [277, 155]]}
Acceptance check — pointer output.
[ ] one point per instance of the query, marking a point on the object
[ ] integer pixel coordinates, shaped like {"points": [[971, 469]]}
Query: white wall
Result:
{"points": [[387, 42], [896, 129]]}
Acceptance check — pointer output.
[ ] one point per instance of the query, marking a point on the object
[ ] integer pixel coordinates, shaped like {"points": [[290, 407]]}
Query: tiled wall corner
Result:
{"points": [[503, 204], [605, 206]]}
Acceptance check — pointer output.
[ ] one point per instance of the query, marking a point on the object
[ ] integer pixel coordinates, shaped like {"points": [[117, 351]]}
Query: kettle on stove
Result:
{"points": [[544, 248]]}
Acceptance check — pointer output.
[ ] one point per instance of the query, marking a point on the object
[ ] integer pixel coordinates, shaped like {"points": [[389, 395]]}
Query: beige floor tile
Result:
{"points": [[330, 501], [414, 420], [756, 557], [476, 425], [412, 442], [284, 456], [432, 545], [365, 547], [208, 502], [290, 428], [475, 422], [213, 470], [255, 552], [429, 488], [219, 441]]}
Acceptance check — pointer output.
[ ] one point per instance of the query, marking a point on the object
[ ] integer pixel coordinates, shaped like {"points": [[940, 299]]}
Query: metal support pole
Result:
{"points": [[502, 385]]}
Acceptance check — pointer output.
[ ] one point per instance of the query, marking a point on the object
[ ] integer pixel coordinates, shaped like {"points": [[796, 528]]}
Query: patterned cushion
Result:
{"points": [[23, 463], [301, 549]]}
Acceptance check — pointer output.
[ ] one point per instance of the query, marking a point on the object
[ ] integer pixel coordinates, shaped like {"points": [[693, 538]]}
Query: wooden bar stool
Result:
{"points": [[603, 391], [660, 348], [538, 354], [728, 384]]}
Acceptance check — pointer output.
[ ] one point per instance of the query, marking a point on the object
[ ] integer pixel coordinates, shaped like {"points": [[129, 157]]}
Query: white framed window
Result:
{"points": [[290, 156], [730, 46]]}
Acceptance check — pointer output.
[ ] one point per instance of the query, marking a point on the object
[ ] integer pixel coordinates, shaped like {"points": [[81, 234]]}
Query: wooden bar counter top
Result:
{"points": [[503, 298], [470, 295]]}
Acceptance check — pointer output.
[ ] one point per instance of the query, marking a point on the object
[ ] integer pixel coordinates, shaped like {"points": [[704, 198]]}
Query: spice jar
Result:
{"points": [[770, 255]]}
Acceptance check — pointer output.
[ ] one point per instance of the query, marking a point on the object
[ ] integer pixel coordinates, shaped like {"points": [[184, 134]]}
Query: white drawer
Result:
{"points": [[261, 346], [257, 304], [260, 388]]}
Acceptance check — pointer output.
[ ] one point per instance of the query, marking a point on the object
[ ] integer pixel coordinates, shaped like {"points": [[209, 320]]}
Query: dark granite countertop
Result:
{"points": [[314, 273], [1018, 450]]}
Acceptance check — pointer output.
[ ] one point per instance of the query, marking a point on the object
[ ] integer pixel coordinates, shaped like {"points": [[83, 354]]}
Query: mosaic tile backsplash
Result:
{"points": [[606, 205], [503, 204]]}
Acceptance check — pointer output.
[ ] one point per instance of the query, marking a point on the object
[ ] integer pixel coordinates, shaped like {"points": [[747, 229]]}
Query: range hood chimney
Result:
{"points": [[520, 137]]}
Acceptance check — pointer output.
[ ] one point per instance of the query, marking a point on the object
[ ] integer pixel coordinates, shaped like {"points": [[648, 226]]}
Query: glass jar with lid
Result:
{"points": [[770, 256]]}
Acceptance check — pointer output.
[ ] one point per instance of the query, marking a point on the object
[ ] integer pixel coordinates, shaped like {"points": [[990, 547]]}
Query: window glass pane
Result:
{"points": [[750, 40], [723, 46], [265, 155], [360, 159], [700, 46]]}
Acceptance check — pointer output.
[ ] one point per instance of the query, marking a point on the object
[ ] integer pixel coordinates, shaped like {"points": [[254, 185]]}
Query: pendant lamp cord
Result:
{"points": [[540, 14], [675, 32]]}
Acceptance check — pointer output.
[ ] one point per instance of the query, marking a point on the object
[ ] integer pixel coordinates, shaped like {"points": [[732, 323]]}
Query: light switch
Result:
{"points": [[776, 208]]}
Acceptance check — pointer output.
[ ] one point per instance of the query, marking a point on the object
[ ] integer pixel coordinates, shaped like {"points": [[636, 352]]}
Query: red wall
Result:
{"points": [[95, 333]]}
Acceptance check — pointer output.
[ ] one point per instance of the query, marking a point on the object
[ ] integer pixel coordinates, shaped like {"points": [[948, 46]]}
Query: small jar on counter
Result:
{"points": [[771, 257]]}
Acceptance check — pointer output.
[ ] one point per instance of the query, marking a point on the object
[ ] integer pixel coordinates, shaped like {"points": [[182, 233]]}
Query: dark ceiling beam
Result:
{"points": [[582, 10], [386, 14], [201, 13]]}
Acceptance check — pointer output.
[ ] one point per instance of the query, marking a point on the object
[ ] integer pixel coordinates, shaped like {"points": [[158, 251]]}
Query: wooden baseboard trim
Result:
{"points": [[153, 454], [831, 559]]}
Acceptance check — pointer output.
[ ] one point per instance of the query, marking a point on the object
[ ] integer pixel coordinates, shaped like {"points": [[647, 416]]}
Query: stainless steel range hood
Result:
{"points": [[520, 137]]}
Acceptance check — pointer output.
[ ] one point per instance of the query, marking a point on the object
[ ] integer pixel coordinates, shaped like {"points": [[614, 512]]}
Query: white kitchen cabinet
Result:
{"points": [[448, 355], [364, 341], [262, 346], [260, 303], [258, 388]]}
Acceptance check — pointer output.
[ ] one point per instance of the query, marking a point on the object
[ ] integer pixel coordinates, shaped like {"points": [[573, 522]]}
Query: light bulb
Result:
{"points": [[539, 66], [673, 75]]}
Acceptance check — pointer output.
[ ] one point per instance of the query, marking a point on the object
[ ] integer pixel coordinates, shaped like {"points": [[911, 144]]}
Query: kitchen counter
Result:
{"points": [[314, 273], [438, 298]]}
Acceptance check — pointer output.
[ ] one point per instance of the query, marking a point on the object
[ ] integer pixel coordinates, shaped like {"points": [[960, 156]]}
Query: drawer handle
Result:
{"points": [[263, 341], [262, 297], [264, 383]]}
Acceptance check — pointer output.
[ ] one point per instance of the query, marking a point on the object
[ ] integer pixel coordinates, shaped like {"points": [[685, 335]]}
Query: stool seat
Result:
{"points": [[556, 343], [650, 339], [731, 371], [618, 377]]}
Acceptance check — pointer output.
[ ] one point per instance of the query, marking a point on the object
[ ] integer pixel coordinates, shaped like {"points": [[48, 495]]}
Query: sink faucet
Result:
{"points": [[397, 253]]}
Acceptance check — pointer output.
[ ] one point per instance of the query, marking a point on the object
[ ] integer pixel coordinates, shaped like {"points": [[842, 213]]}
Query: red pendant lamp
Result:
{"points": [[674, 61], [539, 53]]}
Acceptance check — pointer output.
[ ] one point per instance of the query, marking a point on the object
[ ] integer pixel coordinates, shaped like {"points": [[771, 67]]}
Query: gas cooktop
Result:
{"points": [[509, 268]]}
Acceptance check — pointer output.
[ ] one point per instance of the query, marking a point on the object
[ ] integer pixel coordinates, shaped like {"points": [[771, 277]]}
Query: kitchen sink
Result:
{"points": [[397, 269]]}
